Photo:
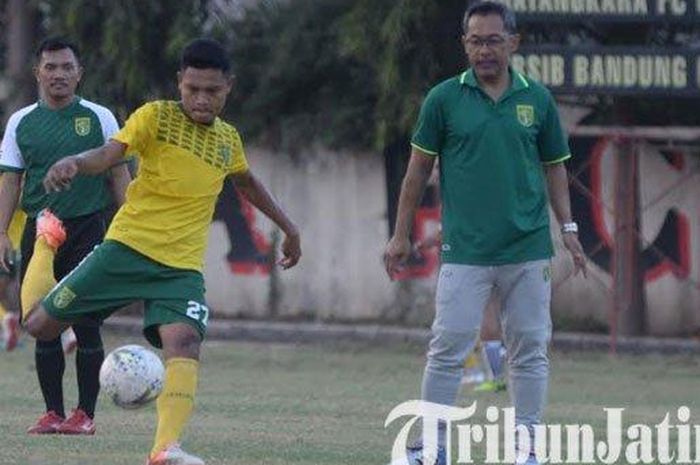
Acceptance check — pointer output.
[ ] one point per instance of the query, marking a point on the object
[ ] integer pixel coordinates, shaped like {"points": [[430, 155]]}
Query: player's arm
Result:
{"points": [[419, 169], [10, 188], [252, 189], [558, 189], [90, 162], [119, 179]]}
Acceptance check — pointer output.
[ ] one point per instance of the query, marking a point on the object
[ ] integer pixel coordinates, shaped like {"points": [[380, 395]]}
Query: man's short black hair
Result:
{"points": [[51, 44], [488, 7], [205, 54]]}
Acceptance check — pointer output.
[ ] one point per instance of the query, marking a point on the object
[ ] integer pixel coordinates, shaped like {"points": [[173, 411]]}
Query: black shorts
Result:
{"points": [[83, 233]]}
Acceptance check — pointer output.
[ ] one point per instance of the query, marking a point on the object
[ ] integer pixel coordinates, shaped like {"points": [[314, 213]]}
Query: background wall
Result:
{"points": [[339, 202]]}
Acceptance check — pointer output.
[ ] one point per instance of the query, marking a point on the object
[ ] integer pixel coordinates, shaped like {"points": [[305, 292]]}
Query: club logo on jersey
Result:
{"points": [[63, 297], [547, 273], [526, 115], [225, 153], [82, 126]]}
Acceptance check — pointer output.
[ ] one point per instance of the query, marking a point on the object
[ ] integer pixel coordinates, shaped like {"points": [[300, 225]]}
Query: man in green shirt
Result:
{"points": [[501, 148], [59, 124]]}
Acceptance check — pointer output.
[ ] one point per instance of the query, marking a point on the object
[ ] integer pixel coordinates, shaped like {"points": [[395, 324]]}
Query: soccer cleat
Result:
{"points": [[10, 331], [531, 460], [68, 341], [50, 228], [414, 456], [77, 423], [48, 423], [491, 386], [174, 455]]}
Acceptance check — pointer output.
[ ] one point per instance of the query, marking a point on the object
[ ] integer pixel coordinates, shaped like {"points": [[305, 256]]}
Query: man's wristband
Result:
{"points": [[570, 227]]}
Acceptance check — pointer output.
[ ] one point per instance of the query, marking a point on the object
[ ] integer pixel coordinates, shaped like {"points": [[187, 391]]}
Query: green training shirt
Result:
{"points": [[492, 183], [37, 136]]}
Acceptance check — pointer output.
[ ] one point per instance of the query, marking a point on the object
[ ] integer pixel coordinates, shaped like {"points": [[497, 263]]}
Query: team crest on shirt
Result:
{"points": [[526, 115], [63, 297], [225, 153], [82, 126]]}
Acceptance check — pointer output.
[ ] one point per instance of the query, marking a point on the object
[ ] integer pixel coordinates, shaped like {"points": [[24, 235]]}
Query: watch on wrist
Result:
{"points": [[570, 227]]}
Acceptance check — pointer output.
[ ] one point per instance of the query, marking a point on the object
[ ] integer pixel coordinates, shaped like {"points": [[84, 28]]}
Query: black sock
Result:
{"points": [[88, 361], [50, 365]]}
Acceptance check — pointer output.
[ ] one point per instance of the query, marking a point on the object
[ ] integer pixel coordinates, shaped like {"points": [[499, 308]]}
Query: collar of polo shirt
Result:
{"points": [[518, 81]]}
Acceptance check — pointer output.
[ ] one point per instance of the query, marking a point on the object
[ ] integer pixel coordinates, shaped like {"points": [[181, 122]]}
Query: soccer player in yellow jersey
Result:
{"points": [[155, 246], [9, 320]]}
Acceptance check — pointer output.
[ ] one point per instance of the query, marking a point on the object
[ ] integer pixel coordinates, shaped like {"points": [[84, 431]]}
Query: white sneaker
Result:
{"points": [[174, 455], [68, 341]]}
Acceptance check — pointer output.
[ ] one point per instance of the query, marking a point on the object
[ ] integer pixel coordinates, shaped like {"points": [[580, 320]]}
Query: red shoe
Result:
{"points": [[48, 423], [77, 423], [50, 228], [10, 331]]}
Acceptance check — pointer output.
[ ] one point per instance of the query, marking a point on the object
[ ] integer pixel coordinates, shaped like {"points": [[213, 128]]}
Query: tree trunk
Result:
{"points": [[18, 38]]}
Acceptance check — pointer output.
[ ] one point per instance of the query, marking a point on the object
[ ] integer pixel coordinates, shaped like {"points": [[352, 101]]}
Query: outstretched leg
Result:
{"points": [[181, 344]]}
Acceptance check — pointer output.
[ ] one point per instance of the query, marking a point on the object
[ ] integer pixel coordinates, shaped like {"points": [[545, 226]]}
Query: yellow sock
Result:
{"points": [[38, 280], [3, 311], [176, 402]]}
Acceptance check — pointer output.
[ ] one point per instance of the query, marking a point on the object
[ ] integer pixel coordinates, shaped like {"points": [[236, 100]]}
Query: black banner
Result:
{"points": [[612, 70], [606, 10]]}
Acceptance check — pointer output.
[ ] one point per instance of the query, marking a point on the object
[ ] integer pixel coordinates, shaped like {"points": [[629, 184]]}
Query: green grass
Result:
{"points": [[319, 405]]}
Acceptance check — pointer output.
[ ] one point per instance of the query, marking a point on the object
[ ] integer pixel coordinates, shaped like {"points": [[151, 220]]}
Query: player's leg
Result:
{"points": [[527, 328], [178, 326], [492, 350], [462, 293], [9, 319], [84, 234], [39, 243]]}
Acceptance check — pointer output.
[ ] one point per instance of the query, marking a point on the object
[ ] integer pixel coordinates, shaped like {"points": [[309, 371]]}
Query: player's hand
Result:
{"points": [[5, 252], [396, 253], [61, 174], [573, 245], [291, 249]]}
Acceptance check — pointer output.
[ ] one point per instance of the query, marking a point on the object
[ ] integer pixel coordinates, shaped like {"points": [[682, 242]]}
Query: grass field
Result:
{"points": [[319, 405]]}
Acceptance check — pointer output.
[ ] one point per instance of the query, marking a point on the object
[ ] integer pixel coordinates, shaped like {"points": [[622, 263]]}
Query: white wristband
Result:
{"points": [[569, 228]]}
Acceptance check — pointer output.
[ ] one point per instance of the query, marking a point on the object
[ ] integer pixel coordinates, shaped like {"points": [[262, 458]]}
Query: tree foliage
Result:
{"points": [[294, 88], [343, 73]]}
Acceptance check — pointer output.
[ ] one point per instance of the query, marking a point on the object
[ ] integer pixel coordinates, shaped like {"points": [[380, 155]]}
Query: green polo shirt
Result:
{"points": [[492, 183]]}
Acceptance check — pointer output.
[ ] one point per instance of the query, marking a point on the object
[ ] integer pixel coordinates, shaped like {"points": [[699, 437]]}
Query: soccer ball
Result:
{"points": [[132, 376]]}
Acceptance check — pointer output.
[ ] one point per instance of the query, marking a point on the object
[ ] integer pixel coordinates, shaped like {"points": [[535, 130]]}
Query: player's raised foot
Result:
{"points": [[50, 228], [77, 423], [48, 423], [174, 455], [68, 341], [10, 331], [415, 456]]}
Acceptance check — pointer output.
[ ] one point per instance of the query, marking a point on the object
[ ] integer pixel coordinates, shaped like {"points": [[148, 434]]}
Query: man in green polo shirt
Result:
{"points": [[501, 148], [36, 136]]}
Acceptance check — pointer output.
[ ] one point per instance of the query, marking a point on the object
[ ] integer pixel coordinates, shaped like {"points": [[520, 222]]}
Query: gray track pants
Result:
{"points": [[462, 294]]}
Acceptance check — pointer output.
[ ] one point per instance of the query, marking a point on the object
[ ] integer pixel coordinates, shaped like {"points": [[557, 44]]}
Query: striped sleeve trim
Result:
{"points": [[10, 169], [422, 149], [558, 160]]}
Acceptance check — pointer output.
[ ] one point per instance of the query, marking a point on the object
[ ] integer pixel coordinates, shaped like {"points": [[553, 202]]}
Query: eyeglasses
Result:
{"points": [[475, 43]]}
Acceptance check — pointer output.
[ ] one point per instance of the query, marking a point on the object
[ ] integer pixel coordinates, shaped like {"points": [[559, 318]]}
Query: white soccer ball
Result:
{"points": [[132, 376]]}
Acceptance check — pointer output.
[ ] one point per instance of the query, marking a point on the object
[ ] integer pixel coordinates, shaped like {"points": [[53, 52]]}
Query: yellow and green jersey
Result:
{"points": [[182, 166], [494, 198], [37, 136]]}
